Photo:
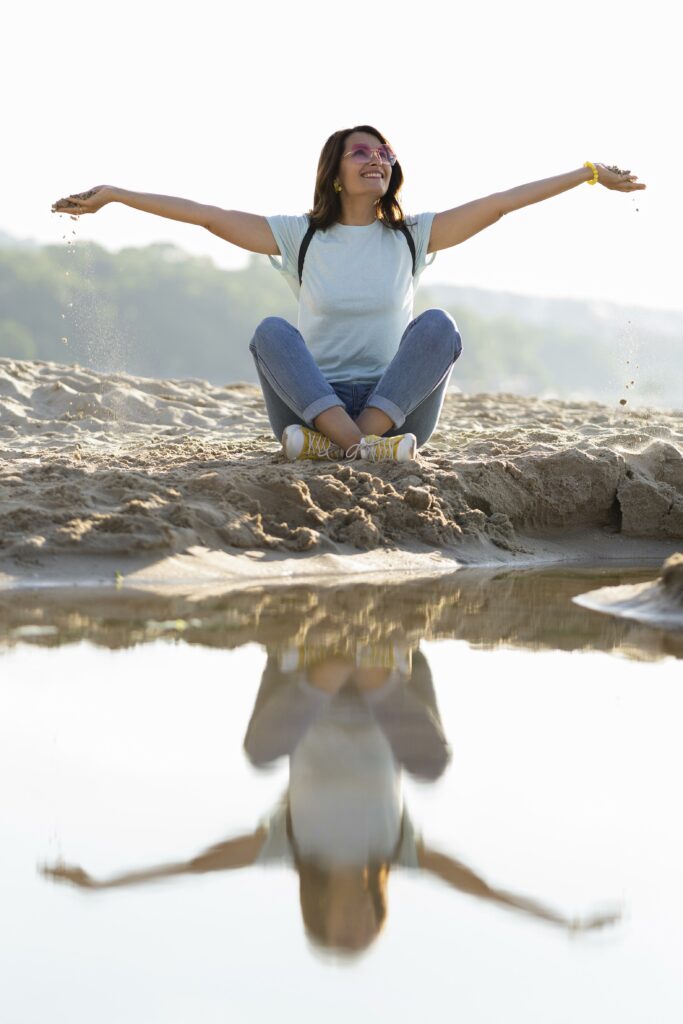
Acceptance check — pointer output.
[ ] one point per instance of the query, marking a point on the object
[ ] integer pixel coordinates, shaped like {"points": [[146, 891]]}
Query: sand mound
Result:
{"points": [[113, 464], [658, 603]]}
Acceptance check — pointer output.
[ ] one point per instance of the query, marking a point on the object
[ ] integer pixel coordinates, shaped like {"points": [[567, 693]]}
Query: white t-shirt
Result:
{"points": [[356, 296]]}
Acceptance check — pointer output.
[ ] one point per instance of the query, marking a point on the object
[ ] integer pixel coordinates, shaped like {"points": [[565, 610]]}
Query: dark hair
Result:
{"points": [[314, 886], [326, 209], [314, 883]]}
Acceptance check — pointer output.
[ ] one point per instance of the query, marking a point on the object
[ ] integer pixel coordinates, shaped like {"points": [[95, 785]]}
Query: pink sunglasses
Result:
{"points": [[361, 154]]}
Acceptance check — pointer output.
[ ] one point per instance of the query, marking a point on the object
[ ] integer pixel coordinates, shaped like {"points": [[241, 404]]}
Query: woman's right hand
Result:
{"points": [[85, 202], [61, 872]]}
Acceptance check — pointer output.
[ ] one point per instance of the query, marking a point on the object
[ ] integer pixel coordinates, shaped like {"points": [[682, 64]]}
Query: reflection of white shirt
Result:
{"points": [[344, 796], [277, 847]]}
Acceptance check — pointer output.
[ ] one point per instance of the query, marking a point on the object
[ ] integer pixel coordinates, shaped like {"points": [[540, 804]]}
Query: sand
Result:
{"points": [[656, 603], [107, 476]]}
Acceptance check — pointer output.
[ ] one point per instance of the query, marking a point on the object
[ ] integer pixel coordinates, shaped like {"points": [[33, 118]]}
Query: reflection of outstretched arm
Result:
{"points": [[465, 880], [240, 852]]}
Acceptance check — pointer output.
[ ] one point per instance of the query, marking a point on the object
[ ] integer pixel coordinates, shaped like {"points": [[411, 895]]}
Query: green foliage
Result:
{"points": [[501, 353], [153, 311], [16, 341], [159, 312]]}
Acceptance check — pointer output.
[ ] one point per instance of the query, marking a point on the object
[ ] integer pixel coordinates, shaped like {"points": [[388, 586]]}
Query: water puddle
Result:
{"points": [[449, 796]]}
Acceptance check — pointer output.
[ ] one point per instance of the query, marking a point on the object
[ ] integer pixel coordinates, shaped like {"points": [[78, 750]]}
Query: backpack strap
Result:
{"points": [[409, 239], [306, 241]]}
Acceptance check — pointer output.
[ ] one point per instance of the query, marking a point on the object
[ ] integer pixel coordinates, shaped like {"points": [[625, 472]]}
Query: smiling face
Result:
{"points": [[370, 178]]}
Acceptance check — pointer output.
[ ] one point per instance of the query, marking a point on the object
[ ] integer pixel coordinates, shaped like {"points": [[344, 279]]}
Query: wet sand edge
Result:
{"points": [[219, 569]]}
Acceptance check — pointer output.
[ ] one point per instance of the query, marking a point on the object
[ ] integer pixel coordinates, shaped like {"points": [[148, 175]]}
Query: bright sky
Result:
{"points": [[231, 106]]}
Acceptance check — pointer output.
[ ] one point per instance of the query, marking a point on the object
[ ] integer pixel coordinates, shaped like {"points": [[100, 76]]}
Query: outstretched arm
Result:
{"points": [[454, 226], [247, 230], [462, 878], [233, 853]]}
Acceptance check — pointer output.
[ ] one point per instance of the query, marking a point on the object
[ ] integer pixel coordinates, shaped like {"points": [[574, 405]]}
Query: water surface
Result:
{"points": [[359, 799]]}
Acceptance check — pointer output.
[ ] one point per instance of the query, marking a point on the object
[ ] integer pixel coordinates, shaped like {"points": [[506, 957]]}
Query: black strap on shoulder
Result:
{"points": [[306, 241], [409, 239]]}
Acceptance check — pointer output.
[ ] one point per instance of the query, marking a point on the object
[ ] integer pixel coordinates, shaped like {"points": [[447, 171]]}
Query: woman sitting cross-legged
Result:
{"points": [[358, 377]]}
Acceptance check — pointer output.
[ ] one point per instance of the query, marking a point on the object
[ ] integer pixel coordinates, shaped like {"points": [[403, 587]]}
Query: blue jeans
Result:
{"points": [[410, 391]]}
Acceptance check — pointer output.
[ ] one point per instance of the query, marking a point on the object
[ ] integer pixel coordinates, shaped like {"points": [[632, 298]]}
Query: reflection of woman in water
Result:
{"points": [[349, 727]]}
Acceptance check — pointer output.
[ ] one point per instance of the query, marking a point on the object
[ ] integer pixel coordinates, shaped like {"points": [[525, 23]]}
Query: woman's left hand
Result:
{"points": [[601, 919], [619, 181]]}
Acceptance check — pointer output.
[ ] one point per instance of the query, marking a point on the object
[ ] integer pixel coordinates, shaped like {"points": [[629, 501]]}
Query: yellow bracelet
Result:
{"points": [[594, 179]]}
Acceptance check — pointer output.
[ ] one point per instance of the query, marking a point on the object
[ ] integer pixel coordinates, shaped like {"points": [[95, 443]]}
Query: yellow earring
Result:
{"points": [[337, 186]]}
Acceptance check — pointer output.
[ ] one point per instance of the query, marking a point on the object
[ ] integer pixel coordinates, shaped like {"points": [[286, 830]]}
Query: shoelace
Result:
{"points": [[378, 446], [318, 444]]}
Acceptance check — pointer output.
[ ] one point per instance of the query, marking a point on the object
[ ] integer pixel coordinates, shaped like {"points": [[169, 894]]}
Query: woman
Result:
{"points": [[359, 377]]}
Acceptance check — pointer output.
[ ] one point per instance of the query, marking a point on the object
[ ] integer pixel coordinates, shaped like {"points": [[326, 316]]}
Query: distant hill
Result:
{"points": [[591, 348], [157, 311], [578, 314]]}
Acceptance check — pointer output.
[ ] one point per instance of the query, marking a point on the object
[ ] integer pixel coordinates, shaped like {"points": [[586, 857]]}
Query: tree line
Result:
{"points": [[157, 311]]}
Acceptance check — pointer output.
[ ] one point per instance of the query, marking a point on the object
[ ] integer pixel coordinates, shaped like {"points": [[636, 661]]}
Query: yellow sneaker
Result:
{"points": [[303, 443], [296, 658], [377, 655], [401, 448]]}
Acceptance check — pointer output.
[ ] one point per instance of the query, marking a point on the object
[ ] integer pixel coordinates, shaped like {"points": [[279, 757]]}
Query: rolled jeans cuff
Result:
{"points": [[320, 405], [390, 408]]}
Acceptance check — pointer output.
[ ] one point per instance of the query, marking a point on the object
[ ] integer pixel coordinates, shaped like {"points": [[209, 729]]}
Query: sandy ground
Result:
{"points": [[655, 603], [106, 476]]}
